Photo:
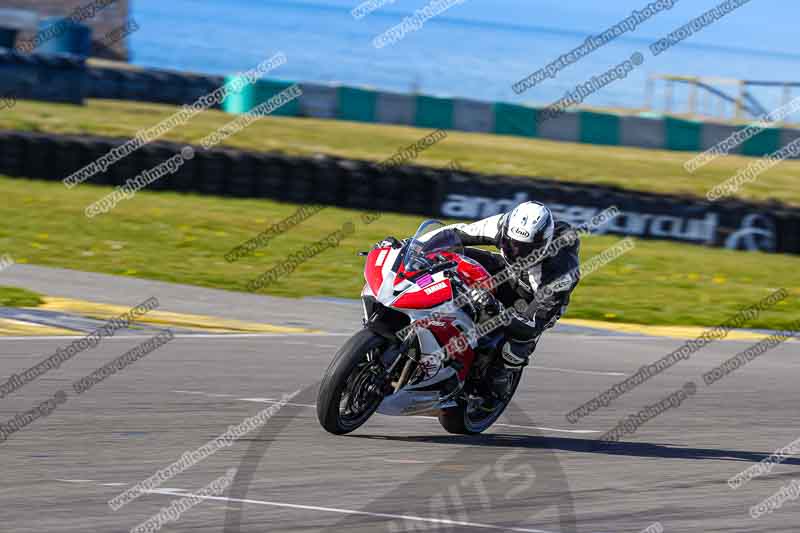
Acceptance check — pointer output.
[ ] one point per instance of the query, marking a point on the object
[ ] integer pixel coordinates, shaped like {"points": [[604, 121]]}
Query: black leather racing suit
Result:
{"points": [[545, 288]]}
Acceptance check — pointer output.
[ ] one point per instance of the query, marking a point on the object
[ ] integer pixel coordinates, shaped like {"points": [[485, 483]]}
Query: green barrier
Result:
{"points": [[357, 104], [253, 95], [683, 134], [511, 119], [241, 102], [599, 128], [266, 89], [434, 112], [763, 144]]}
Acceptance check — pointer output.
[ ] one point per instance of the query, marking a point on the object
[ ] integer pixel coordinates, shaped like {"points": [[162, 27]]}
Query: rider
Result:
{"points": [[551, 273]]}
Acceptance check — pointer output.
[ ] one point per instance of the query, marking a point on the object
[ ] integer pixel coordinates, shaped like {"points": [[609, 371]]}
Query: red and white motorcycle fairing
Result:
{"points": [[419, 298]]}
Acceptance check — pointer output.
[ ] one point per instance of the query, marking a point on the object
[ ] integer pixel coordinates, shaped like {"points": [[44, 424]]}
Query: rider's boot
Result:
{"points": [[515, 356]]}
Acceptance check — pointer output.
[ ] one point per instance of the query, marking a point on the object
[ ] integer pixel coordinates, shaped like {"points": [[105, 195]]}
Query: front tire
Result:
{"points": [[461, 420], [355, 378]]}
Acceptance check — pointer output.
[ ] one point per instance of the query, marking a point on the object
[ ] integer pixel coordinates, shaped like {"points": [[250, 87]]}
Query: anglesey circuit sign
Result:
{"points": [[747, 231]]}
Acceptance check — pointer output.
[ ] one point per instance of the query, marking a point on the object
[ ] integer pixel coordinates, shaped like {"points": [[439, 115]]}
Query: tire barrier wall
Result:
{"points": [[53, 78], [62, 78], [409, 189]]}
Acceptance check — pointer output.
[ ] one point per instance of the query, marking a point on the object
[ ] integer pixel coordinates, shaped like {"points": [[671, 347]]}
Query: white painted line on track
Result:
{"points": [[269, 400], [412, 518], [573, 371], [313, 406], [200, 393], [76, 480], [576, 431], [539, 428]]}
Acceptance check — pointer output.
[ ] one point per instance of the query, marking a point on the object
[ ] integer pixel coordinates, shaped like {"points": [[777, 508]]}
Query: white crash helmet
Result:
{"points": [[526, 230]]}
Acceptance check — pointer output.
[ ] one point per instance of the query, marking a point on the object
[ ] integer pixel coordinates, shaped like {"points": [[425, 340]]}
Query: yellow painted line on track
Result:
{"points": [[18, 328], [674, 332], [165, 318]]}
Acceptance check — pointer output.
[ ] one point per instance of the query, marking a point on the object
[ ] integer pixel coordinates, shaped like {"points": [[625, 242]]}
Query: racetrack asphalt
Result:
{"points": [[534, 471]]}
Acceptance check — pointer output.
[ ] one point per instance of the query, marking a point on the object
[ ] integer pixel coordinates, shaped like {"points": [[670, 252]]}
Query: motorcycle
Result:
{"points": [[418, 352]]}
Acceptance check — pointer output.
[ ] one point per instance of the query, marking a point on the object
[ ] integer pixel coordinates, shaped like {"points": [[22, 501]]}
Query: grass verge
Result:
{"points": [[14, 297], [659, 171], [183, 239]]}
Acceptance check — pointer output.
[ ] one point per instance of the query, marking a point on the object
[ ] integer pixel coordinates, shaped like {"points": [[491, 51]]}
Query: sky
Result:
{"points": [[475, 49], [769, 25]]}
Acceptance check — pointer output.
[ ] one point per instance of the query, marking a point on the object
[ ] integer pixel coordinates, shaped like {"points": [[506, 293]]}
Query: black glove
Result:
{"points": [[482, 301], [389, 241]]}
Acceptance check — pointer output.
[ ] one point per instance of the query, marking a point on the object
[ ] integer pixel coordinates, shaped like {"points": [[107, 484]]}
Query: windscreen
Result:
{"points": [[429, 240]]}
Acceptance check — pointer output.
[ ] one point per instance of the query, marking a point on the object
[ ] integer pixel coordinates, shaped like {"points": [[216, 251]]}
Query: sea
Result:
{"points": [[475, 49]]}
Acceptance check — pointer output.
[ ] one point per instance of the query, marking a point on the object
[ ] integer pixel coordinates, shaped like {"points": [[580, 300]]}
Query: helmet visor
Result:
{"points": [[514, 250]]}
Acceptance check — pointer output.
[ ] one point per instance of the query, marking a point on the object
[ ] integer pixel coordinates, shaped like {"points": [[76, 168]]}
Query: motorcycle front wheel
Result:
{"points": [[352, 388]]}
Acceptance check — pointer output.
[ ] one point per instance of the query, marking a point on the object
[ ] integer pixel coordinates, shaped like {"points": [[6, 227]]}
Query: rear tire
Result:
{"points": [[342, 371], [457, 419]]}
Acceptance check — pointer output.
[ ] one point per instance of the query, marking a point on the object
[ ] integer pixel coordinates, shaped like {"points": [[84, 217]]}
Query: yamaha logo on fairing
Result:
{"points": [[433, 288]]}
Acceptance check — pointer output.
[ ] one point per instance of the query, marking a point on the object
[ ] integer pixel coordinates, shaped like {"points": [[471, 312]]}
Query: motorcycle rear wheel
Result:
{"points": [[353, 379], [461, 420]]}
